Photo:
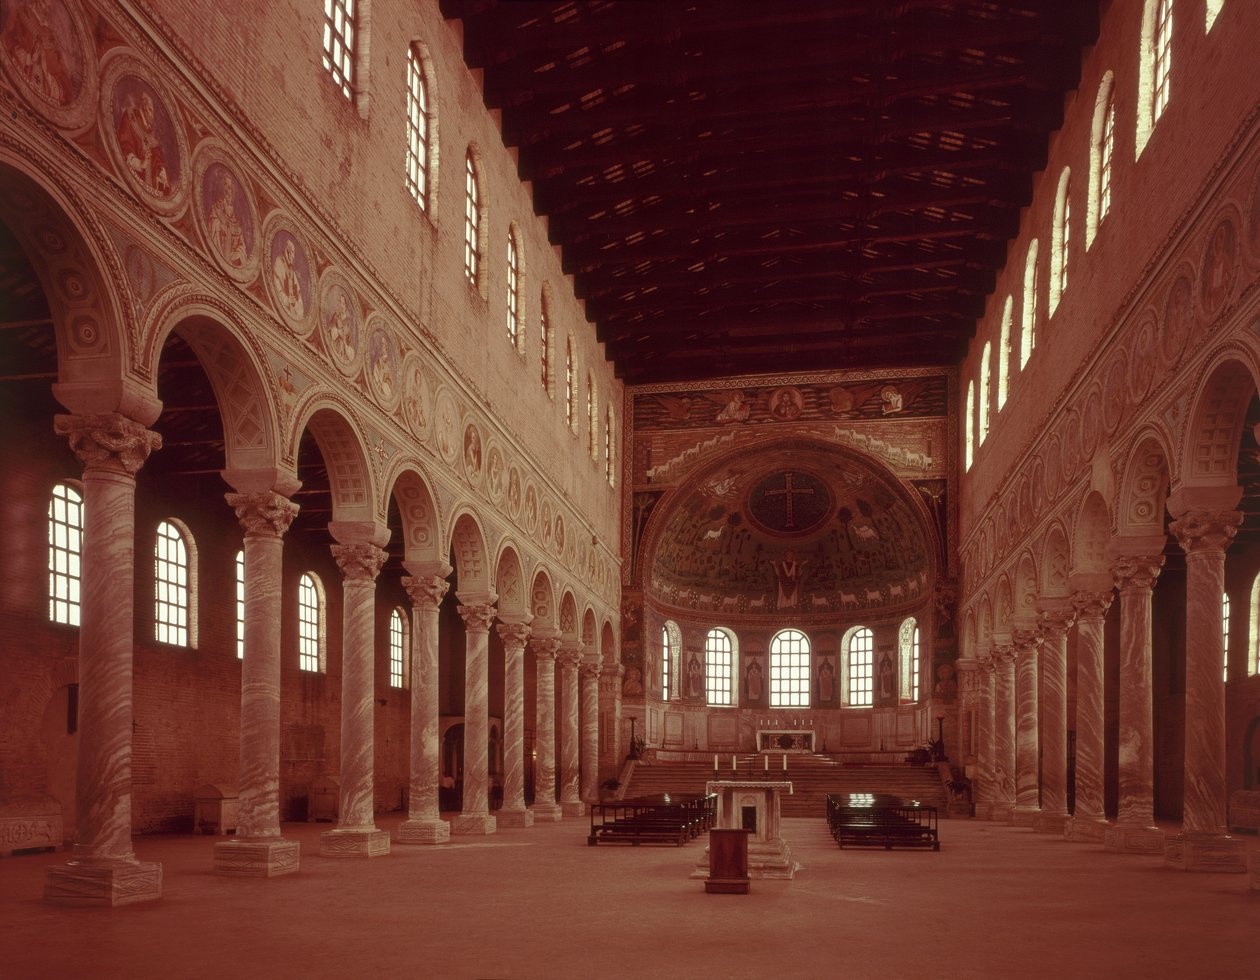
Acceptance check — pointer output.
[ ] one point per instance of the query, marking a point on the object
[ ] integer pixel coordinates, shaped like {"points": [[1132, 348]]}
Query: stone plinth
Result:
{"points": [[768, 854], [515, 818], [473, 823], [1132, 839], [1206, 852], [256, 858], [1025, 816], [1083, 830], [546, 811], [1051, 823], [573, 808], [424, 832], [1254, 865], [107, 883], [1001, 813], [983, 811], [354, 843]]}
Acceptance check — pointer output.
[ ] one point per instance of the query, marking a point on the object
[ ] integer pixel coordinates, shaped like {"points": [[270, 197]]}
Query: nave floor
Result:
{"points": [[996, 901]]}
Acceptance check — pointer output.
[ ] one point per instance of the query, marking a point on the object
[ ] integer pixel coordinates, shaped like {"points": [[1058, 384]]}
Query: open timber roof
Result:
{"points": [[742, 186]]}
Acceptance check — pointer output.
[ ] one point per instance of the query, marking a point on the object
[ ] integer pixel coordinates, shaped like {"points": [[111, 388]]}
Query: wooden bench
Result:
{"points": [[1244, 810], [881, 820], [667, 818]]}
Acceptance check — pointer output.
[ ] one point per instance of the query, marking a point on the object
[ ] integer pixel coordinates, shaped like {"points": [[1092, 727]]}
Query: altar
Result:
{"points": [[753, 805], [785, 740]]}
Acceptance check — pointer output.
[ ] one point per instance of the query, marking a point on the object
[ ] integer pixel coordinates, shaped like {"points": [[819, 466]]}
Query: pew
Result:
{"points": [[665, 818], [881, 820]]}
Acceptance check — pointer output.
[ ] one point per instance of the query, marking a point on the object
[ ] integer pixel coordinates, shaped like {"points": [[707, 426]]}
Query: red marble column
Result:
{"points": [[1056, 619], [258, 850], [590, 728], [424, 823], [570, 800], [475, 817], [1135, 831], [545, 805], [513, 813], [103, 869], [984, 783], [1027, 734], [1003, 732], [1088, 822], [356, 834], [1204, 844]]}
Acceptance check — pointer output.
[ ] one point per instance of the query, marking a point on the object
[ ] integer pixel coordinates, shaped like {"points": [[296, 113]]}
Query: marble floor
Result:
{"points": [[996, 901]]}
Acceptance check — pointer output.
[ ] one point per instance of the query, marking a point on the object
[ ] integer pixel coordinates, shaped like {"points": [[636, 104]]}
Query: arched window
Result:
{"points": [[1004, 355], [240, 605], [608, 446], [1225, 635], [1163, 57], [718, 667], [65, 551], [472, 221], [908, 654], [513, 291], [984, 393], [568, 383], [1028, 338], [1155, 67], [544, 348], [398, 648], [860, 667], [968, 430], [174, 585], [789, 670], [339, 43], [1214, 8], [667, 664], [1060, 238], [1253, 644], [310, 623], [417, 129], [1102, 147]]}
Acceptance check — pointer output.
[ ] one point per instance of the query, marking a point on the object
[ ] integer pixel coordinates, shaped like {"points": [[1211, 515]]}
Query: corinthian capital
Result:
{"points": [[514, 635], [570, 655], [425, 592], [1136, 572], [1056, 621], [264, 514], [111, 442], [1205, 529], [1091, 607], [359, 562], [1003, 654], [1025, 640], [477, 616], [545, 647]]}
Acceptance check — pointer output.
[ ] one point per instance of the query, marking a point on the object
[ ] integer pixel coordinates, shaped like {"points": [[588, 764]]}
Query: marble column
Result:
{"points": [[103, 869], [514, 813], [356, 834], [1056, 619], [474, 817], [1204, 843], [1135, 831], [258, 850], [1088, 822], [545, 806], [424, 823], [1027, 734], [1003, 732], [570, 800], [590, 729], [983, 785]]}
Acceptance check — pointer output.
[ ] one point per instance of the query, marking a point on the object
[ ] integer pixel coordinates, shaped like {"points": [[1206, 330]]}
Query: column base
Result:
{"points": [[515, 818], [983, 811], [1254, 864], [1025, 816], [1206, 852], [1001, 813], [431, 831], [573, 808], [267, 858], [354, 843], [107, 884], [546, 812], [1051, 823], [1085, 830], [1133, 839], [473, 823]]}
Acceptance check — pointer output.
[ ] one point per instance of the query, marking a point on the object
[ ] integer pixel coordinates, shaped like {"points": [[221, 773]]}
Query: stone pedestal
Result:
{"points": [[768, 854], [474, 823], [515, 818], [1206, 852], [267, 858], [1133, 839], [353, 843], [1253, 864], [108, 883], [424, 831], [1084, 830]]}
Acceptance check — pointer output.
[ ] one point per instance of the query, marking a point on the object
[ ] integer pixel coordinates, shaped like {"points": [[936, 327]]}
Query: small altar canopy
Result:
{"points": [[753, 804]]}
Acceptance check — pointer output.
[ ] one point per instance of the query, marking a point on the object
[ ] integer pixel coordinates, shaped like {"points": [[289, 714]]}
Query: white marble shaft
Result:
{"points": [[359, 564], [112, 449], [570, 722], [984, 779], [545, 806], [424, 824], [1135, 578], [513, 812], [1088, 819], [1055, 623], [1027, 737], [475, 816], [1003, 732], [590, 729], [1204, 535], [265, 517]]}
